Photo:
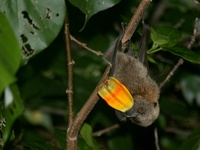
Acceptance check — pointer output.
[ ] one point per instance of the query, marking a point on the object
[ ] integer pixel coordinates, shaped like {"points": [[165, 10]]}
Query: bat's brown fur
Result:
{"points": [[134, 75]]}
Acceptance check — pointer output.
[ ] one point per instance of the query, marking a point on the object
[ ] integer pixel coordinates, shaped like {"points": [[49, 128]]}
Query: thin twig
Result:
{"points": [[179, 23], [180, 62], [98, 53], [176, 130], [55, 111], [73, 130], [18, 138], [106, 130], [196, 33], [70, 63], [196, 2], [156, 139]]}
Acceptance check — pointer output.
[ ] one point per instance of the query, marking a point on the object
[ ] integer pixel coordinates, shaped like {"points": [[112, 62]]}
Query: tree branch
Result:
{"points": [[106, 130], [98, 53], [156, 139], [180, 62], [70, 63]]}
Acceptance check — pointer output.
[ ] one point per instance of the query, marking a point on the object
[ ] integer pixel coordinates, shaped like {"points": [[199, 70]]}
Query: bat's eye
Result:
{"points": [[116, 95], [155, 104], [140, 110]]}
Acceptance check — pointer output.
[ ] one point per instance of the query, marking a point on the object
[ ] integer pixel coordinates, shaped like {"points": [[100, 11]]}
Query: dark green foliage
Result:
{"points": [[33, 100]]}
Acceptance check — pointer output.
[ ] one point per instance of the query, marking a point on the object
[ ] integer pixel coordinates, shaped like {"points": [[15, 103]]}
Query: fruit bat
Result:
{"points": [[131, 74]]}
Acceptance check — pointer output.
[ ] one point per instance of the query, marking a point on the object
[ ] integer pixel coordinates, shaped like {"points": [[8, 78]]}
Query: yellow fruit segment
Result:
{"points": [[116, 94]]}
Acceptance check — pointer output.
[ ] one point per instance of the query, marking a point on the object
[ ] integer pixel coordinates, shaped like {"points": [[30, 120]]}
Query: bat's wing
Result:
{"points": [[142, 53], [111, 53]]}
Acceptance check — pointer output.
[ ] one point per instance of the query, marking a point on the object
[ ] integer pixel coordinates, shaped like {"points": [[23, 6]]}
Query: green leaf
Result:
{"points": [[185, 53], [12, 110], [192, 142], [35, 23], [190, 86], [165, 36], [86, 133], [91, 7], [9, 54]]}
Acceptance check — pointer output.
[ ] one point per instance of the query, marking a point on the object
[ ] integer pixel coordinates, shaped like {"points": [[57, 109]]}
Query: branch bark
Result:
{"points": [[106, 130], [98, 53], [70, 63], [180, 62]]}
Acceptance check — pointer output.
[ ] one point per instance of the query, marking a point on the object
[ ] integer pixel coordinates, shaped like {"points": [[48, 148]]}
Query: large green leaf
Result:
{"points": [[166, 39], [192, 142], [9, 54], [91, 7], [185, 53], [165, 36], [35, 23]]}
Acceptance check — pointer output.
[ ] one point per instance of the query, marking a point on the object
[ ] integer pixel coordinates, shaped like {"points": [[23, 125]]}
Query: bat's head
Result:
{"points": [[143, 112]]}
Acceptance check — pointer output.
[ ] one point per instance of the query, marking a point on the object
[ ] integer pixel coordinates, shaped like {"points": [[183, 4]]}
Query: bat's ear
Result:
{"points": [[110, 54]]}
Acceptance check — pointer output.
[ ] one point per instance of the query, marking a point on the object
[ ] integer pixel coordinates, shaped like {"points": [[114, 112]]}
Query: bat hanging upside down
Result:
{"points": [[129, 89]]}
